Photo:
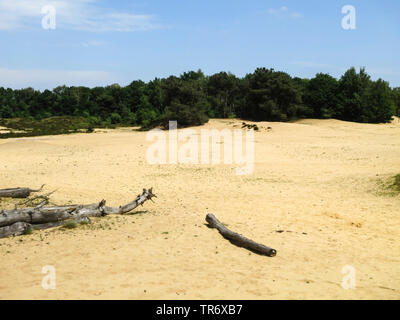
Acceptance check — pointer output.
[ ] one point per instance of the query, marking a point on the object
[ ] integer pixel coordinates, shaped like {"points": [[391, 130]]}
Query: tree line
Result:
{"points": [[193, 98]]}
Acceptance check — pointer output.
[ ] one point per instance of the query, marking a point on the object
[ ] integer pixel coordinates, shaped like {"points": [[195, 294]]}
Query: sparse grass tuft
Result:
{"points": [[396, 183], [70, 225], [389, 186]]}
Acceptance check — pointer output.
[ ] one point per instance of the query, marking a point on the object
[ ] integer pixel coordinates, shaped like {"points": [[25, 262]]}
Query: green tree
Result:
{"points": [[320, 96], [378, 103], [222, 89], [272, 96], [193, 97], [352, 89], [396, 99], [185, 100]]}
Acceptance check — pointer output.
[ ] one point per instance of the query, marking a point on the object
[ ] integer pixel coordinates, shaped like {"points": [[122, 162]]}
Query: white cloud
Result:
{"points": [[123, 22], [83, 15], [48, 79], [284, 11], [296, 15]]}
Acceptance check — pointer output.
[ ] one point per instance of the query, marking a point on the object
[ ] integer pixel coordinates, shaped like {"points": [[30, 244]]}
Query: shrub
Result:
{"points": [[115, 118], [396, 183], [70, 225], [185, 115], [28, 231]]}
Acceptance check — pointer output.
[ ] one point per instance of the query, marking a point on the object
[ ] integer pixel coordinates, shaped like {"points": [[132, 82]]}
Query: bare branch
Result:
{"points": [[238, 239]]}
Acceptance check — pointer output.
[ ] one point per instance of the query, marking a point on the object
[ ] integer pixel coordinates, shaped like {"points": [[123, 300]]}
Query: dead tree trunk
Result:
{"points": [[20, 228], [16, 221], [15, 229], [238, 239], [18, 192], [58, 223]]}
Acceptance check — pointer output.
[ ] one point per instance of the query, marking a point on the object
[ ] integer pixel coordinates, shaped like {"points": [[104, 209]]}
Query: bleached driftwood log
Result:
{"points": [[16, 229], [238, 239], [18, 221], [18, 192], [20, 228]]}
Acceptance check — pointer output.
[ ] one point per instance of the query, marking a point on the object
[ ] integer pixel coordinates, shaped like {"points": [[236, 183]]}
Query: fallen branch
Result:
{"points": [[15, 229], [250, 126], [238, 239], [44, 197], [20, 228], [18, 192], [59, 223], [16, 221]]}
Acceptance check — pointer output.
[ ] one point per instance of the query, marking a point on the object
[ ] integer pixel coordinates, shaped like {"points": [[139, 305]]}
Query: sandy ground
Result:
{"points": [[318, 180]]}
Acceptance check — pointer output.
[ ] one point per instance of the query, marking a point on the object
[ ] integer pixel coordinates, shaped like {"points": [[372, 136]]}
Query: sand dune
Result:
{"points": [[317, 180]]}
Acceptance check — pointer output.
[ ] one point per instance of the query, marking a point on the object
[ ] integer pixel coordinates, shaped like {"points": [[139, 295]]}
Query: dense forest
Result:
{"points": [[193, 98]]}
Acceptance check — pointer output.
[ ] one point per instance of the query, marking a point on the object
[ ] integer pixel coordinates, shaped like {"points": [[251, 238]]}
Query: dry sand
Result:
{"points": [[319, 180]]}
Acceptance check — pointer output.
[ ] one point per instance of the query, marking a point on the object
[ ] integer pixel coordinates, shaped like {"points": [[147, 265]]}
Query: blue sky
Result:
{"points": [[100, 42]]}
